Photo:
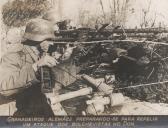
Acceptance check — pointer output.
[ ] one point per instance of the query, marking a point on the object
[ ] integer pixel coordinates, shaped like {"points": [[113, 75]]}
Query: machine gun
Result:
{"points": [[88, 34]]}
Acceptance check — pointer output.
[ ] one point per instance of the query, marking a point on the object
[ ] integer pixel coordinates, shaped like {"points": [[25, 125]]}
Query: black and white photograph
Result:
{"points": [[84, 58]]}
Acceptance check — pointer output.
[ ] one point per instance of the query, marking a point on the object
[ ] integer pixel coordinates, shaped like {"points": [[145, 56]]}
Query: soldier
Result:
{"points": [[19, 77]]}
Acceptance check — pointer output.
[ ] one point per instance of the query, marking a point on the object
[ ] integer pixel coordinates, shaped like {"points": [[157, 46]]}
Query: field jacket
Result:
{"points": [[16, 71]]}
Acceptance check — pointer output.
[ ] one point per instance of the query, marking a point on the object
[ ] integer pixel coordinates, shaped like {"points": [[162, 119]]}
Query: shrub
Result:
{"points": [[18, 12]]}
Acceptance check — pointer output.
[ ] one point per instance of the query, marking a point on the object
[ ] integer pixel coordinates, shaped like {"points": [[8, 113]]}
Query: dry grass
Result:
{"points": [[18, 12]]}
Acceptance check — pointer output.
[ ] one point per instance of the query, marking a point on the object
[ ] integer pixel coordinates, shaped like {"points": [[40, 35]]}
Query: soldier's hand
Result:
{"points": [[45, 61]]}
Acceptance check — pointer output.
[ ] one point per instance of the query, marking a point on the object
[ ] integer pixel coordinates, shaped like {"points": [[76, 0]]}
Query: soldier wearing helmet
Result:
{"points": [[19, 69]]}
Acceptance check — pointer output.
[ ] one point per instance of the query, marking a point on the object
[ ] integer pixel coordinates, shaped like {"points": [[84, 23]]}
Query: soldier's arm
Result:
{"points": [[14, 75]]}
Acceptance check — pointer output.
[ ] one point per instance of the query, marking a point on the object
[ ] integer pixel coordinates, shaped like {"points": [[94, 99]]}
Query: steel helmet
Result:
{"points": [[39, 30]]}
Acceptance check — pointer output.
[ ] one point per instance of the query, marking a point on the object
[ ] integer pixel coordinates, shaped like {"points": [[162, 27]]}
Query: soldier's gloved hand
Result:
{"points": [[45, 61]]}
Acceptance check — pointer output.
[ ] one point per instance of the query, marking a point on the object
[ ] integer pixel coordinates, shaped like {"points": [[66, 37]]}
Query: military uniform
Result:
{"points": [[16, 70]]}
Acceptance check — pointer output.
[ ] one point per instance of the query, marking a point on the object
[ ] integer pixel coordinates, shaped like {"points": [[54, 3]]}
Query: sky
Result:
{"points": [[158, 8]]}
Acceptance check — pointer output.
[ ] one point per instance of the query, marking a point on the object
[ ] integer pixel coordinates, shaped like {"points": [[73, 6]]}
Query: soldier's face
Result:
{"points": [[45, 45]]}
